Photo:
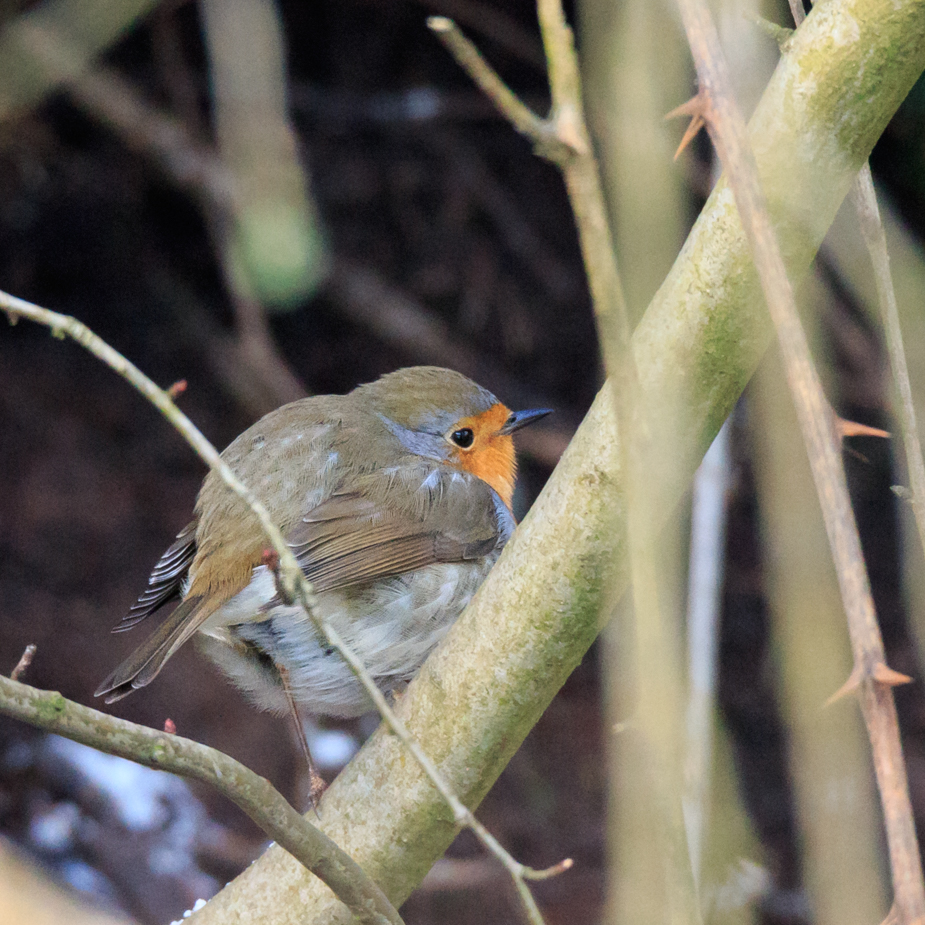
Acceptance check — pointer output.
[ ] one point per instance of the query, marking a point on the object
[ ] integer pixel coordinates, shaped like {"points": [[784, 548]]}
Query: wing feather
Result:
{"points": [[350, 540], [166, 581]]}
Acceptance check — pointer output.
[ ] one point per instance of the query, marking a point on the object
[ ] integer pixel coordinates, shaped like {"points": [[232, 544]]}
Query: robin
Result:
{"points": [[396, 500]]}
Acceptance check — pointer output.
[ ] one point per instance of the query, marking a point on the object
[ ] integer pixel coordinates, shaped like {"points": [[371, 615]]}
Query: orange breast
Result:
{"points": [[491, 457]]}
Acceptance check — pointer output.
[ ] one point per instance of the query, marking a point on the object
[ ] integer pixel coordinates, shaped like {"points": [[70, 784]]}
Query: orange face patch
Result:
{"points": [[491, 455]]}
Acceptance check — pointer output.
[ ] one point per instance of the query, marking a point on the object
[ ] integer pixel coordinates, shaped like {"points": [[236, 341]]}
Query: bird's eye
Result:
{"points": [[463, 437]]}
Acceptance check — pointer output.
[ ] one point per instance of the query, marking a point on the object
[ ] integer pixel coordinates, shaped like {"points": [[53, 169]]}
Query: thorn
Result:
{"points": [[883, 674], [178, 388], [853, 429], [849, 687], [170, 727], [25, 660], [696, 109], [903, 493]]}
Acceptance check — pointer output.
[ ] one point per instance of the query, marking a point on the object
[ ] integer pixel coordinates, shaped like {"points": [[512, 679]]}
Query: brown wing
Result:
{"points": [[349, 540], [166, 580]]}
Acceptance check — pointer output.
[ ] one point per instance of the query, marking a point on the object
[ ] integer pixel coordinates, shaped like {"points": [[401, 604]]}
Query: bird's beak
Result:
{"points": [[520, 419]]}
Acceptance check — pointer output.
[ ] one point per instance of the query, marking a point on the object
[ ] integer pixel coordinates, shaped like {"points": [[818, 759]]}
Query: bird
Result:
{"points": [[396, 500]]}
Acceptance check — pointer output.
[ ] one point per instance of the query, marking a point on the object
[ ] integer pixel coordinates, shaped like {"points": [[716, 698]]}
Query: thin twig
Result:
{"points": [[563, 139], [650, 800], [494, 24], [292, 583], [539, 130], [871, 677], [254, 794]]}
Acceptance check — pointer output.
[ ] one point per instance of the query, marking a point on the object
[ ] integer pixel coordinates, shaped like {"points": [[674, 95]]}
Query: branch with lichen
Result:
{"points": [[255, 795]]}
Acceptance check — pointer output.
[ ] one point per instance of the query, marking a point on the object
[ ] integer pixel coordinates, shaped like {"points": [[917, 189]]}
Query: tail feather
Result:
{"points": [[145, 663]]}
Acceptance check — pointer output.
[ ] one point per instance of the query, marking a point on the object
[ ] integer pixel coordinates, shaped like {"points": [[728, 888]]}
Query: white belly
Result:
{"points": [[392, 625]]}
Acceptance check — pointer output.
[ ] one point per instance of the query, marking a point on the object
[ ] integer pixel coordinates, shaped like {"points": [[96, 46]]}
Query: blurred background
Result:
{"points": [[266, 200]]}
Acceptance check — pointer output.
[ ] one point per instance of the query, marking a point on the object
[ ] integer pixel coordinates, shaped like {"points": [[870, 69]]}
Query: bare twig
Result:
{"points": [[527, 122], [871, 677], [254, 794], [493, 24], [563, 139], [292, 583]]}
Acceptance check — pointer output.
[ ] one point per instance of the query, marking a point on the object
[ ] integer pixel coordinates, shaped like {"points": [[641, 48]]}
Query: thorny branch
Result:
{"points": [[291, 580], [871, 677]]}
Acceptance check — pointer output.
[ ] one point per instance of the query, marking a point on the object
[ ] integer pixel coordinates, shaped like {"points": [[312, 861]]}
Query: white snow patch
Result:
{"points": [[138, 793], [196, 907], [332, 748], [53, 830]]}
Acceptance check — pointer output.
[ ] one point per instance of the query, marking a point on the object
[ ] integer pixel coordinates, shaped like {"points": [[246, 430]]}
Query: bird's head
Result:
{"points": [[440, 414]]}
